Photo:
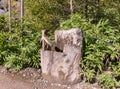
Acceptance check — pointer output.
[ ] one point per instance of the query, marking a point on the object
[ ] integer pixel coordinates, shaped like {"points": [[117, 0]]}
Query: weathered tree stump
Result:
{"points": [[60, 59]]}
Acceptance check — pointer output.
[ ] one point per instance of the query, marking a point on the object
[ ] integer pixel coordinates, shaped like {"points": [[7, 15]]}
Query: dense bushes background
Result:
{"points": [[101, 50], [21, 47], [99, 20]]}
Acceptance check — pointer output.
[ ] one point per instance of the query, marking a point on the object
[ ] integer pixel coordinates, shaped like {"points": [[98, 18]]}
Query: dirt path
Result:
{"points": [[7, 82], [31, 78]]}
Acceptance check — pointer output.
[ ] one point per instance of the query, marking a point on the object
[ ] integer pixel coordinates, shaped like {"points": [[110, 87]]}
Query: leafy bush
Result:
{"points": [[101, 45], [107, 81], [3, 37], [20, 47], [47, 14], [3, 22]]}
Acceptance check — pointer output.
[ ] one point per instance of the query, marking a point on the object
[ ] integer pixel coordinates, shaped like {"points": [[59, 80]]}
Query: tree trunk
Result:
{"points": [[22, 8], [62, 66], [22, 12], [9, 2], [71, 6]]}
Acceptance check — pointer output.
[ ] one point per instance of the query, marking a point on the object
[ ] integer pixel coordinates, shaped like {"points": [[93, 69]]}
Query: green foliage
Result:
{"points": [[3, 22], [107, 81], [3, 37], [116, 69], [101, 45], [21, 47], [14, 61], [47, 13], [113, 14]]}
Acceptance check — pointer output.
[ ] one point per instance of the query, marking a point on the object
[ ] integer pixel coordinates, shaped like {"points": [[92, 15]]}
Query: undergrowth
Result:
{"points": [[101, 50], [20, 48]]}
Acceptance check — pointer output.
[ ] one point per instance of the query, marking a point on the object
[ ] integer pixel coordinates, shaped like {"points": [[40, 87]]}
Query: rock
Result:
{"points": [[2, 12], [3, 8], [63, 66]]}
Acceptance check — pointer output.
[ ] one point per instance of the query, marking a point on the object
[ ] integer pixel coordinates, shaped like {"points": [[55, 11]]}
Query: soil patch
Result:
{"points": [[30, 78]]}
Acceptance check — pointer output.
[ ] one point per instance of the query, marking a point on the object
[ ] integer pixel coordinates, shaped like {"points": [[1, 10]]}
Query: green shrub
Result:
{"points": [[20, 48], [47, 14], [101, 45], [107, 81], [14, 61], [3, 22]]}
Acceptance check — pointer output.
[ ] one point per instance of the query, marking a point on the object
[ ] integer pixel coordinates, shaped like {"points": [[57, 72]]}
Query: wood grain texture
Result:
{"points": [[63, 67]]}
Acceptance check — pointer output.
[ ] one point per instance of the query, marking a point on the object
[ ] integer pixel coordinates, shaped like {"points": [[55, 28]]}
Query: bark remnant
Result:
{"points": [[62, 66]]}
